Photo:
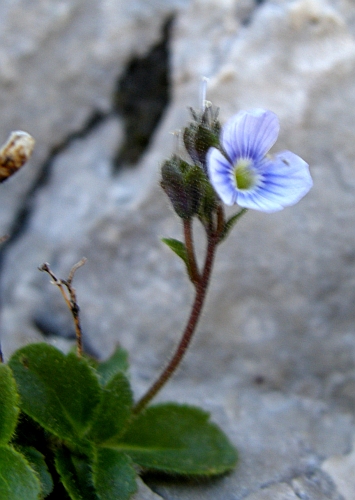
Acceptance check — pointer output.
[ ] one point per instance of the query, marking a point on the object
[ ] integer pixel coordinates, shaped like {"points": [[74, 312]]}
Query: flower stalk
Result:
{"points": [[194, 273], [200, 295]]}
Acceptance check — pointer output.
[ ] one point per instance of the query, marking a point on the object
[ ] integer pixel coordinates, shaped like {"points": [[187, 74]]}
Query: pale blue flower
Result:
{"points": [[250, 177]]}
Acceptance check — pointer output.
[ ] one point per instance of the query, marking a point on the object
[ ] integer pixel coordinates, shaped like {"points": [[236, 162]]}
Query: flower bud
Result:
{"points": [[202, 134], [179, 183]]}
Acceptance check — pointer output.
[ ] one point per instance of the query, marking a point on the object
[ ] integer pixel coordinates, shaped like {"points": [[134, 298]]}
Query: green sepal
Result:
{"points": [[195, 181], [173, 185], [231, 223], [178, 248], [113, 411], [114, 475], [178, 439], [8, 404], [116, 363], [208, 204], [38, 464], [178, 184], [188, 137], [205, 139], [59, 392], [76, 475], [17, 480], [202, 134], [195, 176]]}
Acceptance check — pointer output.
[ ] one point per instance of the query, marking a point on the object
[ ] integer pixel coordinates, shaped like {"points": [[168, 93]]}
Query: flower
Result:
{"points": [[246, 175]]}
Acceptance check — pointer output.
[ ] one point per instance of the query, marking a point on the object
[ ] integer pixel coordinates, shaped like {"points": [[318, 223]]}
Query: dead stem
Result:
{"points": [[65, 287]]}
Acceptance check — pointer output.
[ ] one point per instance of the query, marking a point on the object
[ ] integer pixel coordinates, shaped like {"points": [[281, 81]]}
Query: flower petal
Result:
{"points": [[285, 180], [250, 134], [220, 172], [257, 201]]}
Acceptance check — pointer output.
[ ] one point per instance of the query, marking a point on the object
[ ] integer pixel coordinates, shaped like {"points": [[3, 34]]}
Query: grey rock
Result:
{"points": [[275, 492], [59, 64], [274, 356], [340, 468], [315, 486], [144, 493], [278, 438]]}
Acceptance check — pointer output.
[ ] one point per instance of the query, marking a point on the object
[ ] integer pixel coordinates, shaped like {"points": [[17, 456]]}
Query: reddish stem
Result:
{"points": [[194, 273], [201, 289]]}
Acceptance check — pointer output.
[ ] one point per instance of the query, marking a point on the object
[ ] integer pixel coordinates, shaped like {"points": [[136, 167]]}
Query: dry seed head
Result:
{"points": [[15, 152]]}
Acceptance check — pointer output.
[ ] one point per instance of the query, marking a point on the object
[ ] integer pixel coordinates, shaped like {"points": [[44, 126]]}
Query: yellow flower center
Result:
{"points": [[243, 174]]}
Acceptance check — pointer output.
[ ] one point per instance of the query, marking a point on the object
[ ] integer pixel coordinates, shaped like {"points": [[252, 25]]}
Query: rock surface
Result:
{"points": [[274, 358], [60, 61]]}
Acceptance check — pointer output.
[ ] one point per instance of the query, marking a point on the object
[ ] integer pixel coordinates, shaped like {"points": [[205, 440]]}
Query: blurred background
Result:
{"points": [[101, 84]]}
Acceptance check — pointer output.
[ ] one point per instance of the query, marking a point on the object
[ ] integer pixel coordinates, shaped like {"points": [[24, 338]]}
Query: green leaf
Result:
{"points": [[59, 392], [17, 479], [231, 223], [114, 476], [113, 411], [75, 474], [178, 439], [38, 464], [177, 247], [8, 404], [117, 363]]}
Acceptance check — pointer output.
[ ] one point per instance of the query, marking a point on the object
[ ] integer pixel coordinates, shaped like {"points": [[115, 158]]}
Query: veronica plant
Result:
{"points": [[242, 173], [69, 425]]}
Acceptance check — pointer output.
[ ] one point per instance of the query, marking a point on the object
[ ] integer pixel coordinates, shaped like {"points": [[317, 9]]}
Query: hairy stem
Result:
{"points": [[194, 273], [201, 289]]}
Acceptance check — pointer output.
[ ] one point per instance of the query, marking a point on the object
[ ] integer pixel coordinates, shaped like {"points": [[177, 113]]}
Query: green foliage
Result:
{"points": [[38, 464], [114, 476], [231, 223], [75, 473], [178, 439], [8, 404], [59, 392], [77, 422], [117, 363], [177, 247], [113, 411], [17, 480]]}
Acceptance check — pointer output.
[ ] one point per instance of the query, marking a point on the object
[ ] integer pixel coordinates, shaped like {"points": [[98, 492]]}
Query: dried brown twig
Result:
{"points": [[69, 295]]}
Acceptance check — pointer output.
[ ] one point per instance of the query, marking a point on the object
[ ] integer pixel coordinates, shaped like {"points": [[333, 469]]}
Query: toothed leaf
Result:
{"points": [[59, 392]]}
